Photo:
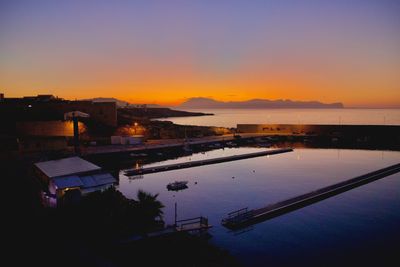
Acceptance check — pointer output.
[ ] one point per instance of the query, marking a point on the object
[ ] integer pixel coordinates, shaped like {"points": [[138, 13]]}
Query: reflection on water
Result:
{"points": [[215, 190], [231, 117]]}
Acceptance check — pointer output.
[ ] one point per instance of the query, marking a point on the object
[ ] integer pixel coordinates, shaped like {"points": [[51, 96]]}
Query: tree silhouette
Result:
{"points": [[149, 208]]}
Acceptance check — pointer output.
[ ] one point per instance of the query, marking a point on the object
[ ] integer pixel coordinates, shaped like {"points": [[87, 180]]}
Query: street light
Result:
{"points": [[135, 125], [74, 115]]}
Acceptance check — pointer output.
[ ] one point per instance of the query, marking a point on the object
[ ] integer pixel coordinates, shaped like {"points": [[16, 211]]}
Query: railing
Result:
{"points": [[202, 222], [238, 215], [237, 212]]}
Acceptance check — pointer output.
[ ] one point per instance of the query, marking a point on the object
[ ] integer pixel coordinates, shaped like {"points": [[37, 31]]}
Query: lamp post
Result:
{"points": [[135, 125], [76, 132], [74, 115]]}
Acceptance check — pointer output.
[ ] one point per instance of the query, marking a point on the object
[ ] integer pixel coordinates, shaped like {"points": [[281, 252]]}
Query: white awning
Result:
{"points": [[67, 181], [66, 166], [88, 181], [104, 178], [84, 182], [97, 180]]}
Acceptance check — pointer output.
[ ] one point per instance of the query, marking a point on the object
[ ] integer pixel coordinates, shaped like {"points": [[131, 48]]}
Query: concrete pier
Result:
{"points": [[244, 217], [190, 164]]}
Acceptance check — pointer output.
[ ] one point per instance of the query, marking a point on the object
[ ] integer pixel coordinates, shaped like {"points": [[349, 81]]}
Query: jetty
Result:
{"points": [[244, 217], [198, 225], [190, 164], [193, 224]]}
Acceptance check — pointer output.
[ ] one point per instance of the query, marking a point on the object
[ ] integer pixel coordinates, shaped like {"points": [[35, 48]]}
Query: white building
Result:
{"points": [[70, 178]]}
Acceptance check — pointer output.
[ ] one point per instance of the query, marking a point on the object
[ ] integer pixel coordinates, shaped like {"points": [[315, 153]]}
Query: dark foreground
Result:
{"points": [[47, 241], [90, 235]]}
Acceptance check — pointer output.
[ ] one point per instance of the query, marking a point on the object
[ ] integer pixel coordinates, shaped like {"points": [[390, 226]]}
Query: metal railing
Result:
{"points": [[200, 221], [238, 216]]}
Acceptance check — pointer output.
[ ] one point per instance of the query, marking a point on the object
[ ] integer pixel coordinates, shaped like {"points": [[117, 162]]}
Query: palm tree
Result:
{"points": [[149, 206]]}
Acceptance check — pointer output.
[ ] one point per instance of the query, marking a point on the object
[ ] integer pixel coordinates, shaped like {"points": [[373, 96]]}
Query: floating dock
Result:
{"points": [[190, 164], [244, 217], [194, 224]]}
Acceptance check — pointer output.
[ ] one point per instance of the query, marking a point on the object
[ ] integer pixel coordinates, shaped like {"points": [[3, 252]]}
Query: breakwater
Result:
{"points": [[244, 217], [190, 164]]}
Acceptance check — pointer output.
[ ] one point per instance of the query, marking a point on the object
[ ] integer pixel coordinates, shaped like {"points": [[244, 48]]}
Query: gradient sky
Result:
{"points": [[166, 51]]}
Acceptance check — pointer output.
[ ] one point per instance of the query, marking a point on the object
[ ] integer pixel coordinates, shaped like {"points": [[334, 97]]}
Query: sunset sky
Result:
{"points": [[167, 51]]}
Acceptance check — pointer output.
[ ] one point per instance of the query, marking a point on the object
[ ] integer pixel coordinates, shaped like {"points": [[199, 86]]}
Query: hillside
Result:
{"points": [[209, 103]]}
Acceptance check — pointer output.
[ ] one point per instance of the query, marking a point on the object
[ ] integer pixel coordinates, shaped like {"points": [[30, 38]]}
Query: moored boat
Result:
{"points": [[177, 185]]}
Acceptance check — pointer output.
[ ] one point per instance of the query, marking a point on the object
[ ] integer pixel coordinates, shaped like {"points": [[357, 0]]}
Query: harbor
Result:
{"points": [[274, 126], [155, 145], [216, 189]]}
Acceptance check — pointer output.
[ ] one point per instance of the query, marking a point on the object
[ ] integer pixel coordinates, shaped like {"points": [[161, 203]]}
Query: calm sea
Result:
{"points": [[361, 224], [231, 117]]}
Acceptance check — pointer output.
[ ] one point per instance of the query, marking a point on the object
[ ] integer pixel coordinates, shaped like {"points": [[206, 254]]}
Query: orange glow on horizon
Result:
{"points": [[164, 53], [173, 94]]}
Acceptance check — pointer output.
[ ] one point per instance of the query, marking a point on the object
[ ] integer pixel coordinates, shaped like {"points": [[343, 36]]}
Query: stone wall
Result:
{"points": [[383, 131], [47, 128]]}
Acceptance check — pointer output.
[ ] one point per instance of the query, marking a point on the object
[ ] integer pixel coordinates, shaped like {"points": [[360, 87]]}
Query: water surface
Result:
{"points": [[231, 117], [362, 219]]}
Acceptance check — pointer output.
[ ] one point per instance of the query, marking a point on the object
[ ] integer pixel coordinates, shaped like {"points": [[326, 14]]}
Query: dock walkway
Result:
{"points": [[190, 164], [196, 225], [244, 217]]}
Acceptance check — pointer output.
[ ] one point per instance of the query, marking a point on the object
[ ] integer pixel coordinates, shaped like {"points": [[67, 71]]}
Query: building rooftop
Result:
{"points": [[66, 166]]}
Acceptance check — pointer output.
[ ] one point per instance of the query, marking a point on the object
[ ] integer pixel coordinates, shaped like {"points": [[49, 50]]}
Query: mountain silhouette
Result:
{"points": [[203, 102]]}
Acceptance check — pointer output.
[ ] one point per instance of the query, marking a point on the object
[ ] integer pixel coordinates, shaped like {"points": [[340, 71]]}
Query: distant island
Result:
{"points": [[202, 102]]}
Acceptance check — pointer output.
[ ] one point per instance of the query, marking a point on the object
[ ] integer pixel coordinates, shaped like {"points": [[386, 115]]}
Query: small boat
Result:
{"points": [[187, 148], [231, 144], [177, 185], [138, 155], [237, 136], [217, 145], [264, 144]]}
